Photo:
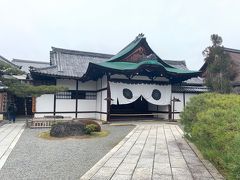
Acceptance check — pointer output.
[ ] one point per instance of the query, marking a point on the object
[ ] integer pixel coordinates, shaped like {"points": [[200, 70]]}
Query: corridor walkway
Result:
{"points": [[151, 151], [9, 135]]}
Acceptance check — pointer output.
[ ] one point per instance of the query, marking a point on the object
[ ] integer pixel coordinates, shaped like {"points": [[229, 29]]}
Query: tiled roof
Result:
{"points": [[194, 81], [70, 63], [181, 64], [25, 64], [189, 89], [73, 63], [3, 59]]}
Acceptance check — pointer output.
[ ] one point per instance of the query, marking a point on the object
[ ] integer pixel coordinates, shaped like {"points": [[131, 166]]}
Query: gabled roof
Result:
{"points": [[67, 63], [138, 48], [70, 63], [3, 59], [137, 58], [25, 64]]}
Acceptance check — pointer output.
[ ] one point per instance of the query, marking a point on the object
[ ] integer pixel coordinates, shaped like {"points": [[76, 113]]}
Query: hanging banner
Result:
{"points": [[122, 93]]}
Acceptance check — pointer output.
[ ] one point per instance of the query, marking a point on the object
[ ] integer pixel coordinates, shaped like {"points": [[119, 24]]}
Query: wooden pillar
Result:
{"points": [[54, 105], [33, 104], [173, 110], [108, 100], [54, 100], [76, 107], [169, 112]]}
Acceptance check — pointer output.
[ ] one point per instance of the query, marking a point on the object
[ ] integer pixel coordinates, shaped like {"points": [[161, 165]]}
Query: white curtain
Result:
{"points": [[144, 90]]}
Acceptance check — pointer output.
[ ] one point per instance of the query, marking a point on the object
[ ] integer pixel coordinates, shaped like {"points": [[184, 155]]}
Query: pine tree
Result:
{"points": [[219, 71], [21, 89]]}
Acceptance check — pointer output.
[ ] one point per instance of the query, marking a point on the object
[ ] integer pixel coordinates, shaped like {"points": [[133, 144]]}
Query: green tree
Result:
{"points": [[21, 89], [7, 69], [219, 70]]}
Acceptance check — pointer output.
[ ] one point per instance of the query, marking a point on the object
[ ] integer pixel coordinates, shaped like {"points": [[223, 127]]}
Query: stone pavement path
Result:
{"points": [[151, 151], [9, 135]]}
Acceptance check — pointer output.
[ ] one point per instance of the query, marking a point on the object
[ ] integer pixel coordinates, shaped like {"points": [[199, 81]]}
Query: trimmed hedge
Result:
{"points": [[212, 122]]}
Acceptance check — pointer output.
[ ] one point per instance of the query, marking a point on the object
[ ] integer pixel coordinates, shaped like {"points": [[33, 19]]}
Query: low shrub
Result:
{"points": [[90, 128], [212, 122], [74, 128], [88, 122]]}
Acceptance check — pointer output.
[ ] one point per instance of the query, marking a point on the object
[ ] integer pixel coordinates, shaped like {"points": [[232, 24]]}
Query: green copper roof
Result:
{"points": [[133, 66], [128, 48]]}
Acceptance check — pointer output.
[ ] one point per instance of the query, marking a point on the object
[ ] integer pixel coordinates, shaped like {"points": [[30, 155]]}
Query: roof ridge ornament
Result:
{"points": [[140, 36]]}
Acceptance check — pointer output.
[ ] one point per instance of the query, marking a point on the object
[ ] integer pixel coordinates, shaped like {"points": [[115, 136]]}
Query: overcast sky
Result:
{"points": [[175, 29]]}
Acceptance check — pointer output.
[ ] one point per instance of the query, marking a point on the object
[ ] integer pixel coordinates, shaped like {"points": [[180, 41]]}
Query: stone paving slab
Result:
{"points": [[151, 151], [9, 135]]}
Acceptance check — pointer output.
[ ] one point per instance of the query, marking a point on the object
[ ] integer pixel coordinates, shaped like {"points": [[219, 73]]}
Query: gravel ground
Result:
{"points": [[36, 158]]}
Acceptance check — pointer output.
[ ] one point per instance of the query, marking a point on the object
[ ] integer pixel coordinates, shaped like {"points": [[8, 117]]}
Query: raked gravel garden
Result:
{"points": [[65, 158]]}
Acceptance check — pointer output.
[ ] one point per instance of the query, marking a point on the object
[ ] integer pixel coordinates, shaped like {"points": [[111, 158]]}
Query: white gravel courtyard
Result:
{"points": [[36, 158]]}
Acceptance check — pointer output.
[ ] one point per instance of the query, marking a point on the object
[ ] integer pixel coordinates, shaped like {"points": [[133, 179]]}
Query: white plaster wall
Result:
{"points": [[99, 99], [101, 104], [72, 115], [98, 104], [42, 115], [44, 103], [89, 85], [104, 102], [87, 115], [104, 105], [179, 106], [98, 84], [104, 81], [70, 84], [63, 105], [86, 105]]}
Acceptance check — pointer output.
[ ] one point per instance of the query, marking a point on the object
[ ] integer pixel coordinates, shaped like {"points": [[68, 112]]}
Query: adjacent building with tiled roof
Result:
{"points": [[24, 65], [234, 57]]}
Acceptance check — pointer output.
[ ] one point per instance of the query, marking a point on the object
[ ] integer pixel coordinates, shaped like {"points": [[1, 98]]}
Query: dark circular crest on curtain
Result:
{"points": [[127, 93], [156, 94]]}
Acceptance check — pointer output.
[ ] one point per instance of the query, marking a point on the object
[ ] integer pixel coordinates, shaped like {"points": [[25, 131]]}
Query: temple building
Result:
{"points": [[135, 83]]}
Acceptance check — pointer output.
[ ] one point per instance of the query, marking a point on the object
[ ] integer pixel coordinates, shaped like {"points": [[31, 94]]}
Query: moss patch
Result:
{"points": [[99, 134], [123, 124], [46, 135]]}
